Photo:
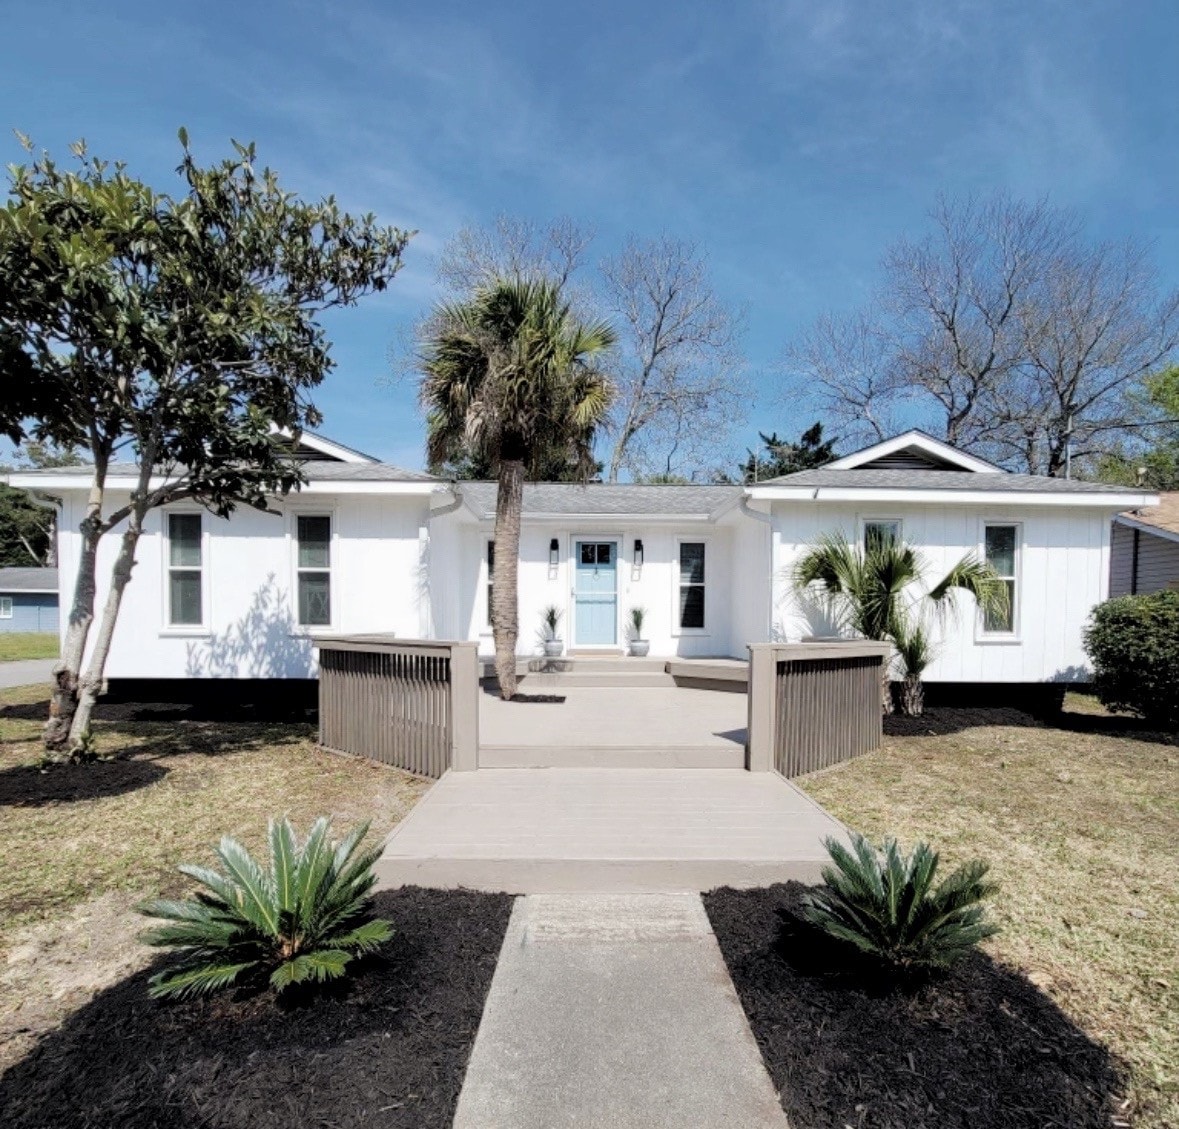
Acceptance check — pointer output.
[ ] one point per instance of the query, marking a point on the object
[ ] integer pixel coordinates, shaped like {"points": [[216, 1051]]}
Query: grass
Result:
{"points": [[1081, 824], [176, 787], [27, 645]]}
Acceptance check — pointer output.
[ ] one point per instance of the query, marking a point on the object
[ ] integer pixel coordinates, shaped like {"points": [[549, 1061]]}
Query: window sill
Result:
{"points": [[997, 640], [691, 632], [194, 632]]}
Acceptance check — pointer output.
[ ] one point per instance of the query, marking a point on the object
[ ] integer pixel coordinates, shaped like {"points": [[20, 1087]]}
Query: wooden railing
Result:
{"points": [[412, 703], [813, 704]]}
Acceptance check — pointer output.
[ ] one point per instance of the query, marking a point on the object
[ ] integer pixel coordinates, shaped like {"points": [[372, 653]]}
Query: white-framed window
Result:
{"points": [[185, 570], [313, 569], [691, 603], [490, 574], [5, 607], [1001, 550], [880, 529]]}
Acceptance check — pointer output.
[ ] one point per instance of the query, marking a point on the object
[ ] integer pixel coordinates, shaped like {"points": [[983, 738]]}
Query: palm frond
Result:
{"points": [[182, 983]]}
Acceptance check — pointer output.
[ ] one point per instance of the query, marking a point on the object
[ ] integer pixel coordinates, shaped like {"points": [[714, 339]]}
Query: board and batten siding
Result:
{"points": [[1064, 568], [248, 580], [1156, 568]]}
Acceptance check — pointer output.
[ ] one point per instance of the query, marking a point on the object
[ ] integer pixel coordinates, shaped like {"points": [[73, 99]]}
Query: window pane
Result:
{"points": [[880, 532], [184, 588], [315, 602], [184, 540], [1003, 620], [589, 554], [604, 552], [692, 606], [1000, 548], [315, 536], [5, 607], [691, 562]]}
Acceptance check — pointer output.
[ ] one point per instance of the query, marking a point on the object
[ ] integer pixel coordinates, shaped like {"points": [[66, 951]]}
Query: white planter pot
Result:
{"points": [[640, 647], [553, 648]]}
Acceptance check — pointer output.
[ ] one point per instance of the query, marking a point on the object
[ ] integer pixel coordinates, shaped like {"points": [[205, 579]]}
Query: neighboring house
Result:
{"points": [[367, 547], [28, 599], [1144, 555]]}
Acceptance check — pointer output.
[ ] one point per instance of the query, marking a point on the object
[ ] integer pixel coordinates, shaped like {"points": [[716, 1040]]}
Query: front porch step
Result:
{"points": [[605, 678], [611, 756], [581, 664]]}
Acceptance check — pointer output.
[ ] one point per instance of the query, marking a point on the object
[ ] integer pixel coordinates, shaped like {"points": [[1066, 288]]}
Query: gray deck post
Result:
{"points": [[763, 685], [464, 704]]}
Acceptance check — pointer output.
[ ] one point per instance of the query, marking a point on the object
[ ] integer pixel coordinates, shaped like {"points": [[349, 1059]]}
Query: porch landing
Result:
{"points": [[600, 830]]}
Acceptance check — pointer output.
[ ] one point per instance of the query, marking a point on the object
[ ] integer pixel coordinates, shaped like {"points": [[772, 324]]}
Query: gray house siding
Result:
{"points": [[1141, 562], [31, 611]]}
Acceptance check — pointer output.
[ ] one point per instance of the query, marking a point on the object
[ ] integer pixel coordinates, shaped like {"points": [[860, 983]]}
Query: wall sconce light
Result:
{"points": [[554, 553], [638, 553]]}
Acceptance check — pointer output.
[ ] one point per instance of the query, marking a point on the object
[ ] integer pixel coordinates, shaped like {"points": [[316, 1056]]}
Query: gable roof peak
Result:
{"points": [[914, 450]]}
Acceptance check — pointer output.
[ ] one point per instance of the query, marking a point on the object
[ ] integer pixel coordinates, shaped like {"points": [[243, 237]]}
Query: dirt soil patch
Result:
{"points": [[981, 1049], [389, 1047]]}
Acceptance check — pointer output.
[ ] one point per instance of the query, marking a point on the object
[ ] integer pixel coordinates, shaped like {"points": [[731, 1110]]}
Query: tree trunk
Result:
{"points": [[64, 700], [505, 611], [886, 704], [90, 685], [912, 696]]}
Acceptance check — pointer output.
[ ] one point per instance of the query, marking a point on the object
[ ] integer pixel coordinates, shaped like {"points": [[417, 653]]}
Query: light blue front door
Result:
{"points": [[595, 593]]}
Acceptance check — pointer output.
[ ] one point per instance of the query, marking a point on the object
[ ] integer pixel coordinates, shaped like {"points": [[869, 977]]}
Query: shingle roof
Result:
{"points": [[315, 471], [943, 480], [1164, 516], [608, 499], [28, 580]]}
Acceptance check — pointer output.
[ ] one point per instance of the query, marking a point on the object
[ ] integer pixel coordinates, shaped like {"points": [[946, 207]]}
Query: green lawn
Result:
{"points": [[1080, 821], [27, 645]]}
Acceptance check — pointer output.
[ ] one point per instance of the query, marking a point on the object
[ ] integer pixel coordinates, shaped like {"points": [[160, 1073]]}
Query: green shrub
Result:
{"points": [[885, 905], [300, 919], [1133, 642]]}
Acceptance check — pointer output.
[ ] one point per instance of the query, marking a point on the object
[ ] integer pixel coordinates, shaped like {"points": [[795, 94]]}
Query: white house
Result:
{"points": [[368, 547]]}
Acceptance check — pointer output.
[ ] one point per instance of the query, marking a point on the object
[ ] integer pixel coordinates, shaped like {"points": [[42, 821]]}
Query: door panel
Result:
{"points": [[595, 593]]}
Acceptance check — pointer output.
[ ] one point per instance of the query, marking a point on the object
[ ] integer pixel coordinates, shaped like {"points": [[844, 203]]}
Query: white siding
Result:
{"points": [[378, 584], [1063, 568]]}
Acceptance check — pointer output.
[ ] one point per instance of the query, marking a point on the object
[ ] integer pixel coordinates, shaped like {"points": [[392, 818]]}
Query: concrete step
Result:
{"points": [[611, 756], [526, 874], [569, 664]]}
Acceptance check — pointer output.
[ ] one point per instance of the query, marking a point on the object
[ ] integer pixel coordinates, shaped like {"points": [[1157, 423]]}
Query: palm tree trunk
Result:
{"points": [[505, 611], [912, 696]]}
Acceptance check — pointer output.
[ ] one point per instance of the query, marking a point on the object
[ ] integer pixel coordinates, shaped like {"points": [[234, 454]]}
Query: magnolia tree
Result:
{"points": [[174, 332]]}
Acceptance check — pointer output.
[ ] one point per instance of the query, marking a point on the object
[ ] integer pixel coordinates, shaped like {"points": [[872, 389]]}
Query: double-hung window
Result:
{"points": [[691, 602], [1001, 552], [313, 568], [185, 567], [5, 607]]}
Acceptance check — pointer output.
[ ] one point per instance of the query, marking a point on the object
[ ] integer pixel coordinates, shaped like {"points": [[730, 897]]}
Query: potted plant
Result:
{"points": [[551, 641], [638, 645]]}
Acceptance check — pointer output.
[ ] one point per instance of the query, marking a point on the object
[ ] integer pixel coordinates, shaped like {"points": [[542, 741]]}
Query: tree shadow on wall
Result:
{"points": [[265, 643]]}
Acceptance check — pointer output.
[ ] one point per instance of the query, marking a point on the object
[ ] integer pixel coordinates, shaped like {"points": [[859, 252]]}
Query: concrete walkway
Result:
{"points": [[25, 672], [617, 1012], [565, 830]]}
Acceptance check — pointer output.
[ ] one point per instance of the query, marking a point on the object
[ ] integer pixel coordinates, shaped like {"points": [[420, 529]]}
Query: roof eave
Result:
{"points": [[1147, 527], [1103, 499]]}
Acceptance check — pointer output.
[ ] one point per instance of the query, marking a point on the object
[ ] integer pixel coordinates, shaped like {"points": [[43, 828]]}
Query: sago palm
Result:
{"points": [[508, 378], [886, 905], [876, 590], [301, 918]]}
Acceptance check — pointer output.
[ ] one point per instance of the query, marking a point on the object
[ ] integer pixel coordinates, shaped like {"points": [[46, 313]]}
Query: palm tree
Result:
{"points": [[875, 591], [508, 378]]}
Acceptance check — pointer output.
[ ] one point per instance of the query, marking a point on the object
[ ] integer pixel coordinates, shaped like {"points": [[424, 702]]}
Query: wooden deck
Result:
{"points": [[587, 830]]}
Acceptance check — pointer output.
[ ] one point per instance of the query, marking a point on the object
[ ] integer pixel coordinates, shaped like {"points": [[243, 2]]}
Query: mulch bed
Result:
{"points": [[387, 1048], [981, 1048]]}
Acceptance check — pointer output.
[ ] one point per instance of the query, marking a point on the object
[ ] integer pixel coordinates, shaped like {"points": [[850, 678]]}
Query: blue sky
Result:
{"points": [[792, 140]]}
